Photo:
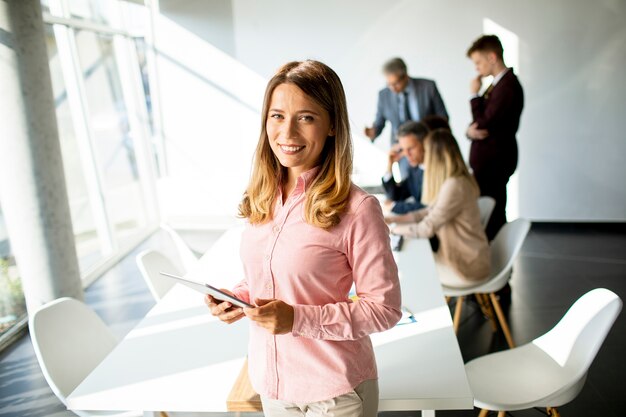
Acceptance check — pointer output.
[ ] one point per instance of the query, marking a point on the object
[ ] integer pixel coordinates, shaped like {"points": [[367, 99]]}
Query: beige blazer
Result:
{"points": [[455, 219]]}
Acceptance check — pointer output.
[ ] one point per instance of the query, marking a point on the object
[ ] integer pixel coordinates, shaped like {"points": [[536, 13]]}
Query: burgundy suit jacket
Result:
{"points": [[499, 112]]}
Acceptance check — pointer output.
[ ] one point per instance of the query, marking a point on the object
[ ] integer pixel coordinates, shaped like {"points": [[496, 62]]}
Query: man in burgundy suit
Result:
{"points": [[496, 115]]}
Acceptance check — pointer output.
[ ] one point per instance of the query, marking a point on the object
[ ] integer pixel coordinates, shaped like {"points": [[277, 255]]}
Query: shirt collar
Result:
{"points": [[498, 77], [305, 179], [408, 89], [302, 183]]}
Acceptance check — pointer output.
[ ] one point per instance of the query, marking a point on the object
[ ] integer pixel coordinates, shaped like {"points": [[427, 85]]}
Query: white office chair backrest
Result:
{"points": [[187, 258], [507, 244], [485, 207], [575, 340], [151, 263], [70, 340]]}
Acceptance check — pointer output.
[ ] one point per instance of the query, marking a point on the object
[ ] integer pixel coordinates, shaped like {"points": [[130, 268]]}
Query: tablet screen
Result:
{"points": [[207, 289]]}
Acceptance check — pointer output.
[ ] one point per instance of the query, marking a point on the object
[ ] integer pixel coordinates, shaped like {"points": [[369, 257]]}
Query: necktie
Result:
{"points": [[488, 91], [405, 112]]}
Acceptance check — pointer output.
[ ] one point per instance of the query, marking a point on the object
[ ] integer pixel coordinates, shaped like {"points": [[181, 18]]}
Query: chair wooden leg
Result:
{"points": [[491, 311], [457, 313], [163, 414], [485, 306], [501, 413], [553, 412], [502, 320], [447, 299], [481, 304], [483, 413]]}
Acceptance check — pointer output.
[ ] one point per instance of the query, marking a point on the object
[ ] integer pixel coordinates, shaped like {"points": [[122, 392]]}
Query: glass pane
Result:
{"points": [[113, 141], [88, 245], [45, 7], [100, 11], [136, 19], [141, 47], [12, 304]]}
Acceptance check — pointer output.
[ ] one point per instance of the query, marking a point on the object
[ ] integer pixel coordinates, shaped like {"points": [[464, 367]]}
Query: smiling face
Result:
{"points": [[297, 128]]}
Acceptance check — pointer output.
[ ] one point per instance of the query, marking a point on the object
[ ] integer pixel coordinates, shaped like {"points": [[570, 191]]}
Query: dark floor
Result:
{"points": [[558, 264]]}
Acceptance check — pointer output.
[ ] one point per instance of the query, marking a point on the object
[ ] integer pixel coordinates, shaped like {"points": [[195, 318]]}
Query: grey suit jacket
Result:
{"points": [[429, 102]]}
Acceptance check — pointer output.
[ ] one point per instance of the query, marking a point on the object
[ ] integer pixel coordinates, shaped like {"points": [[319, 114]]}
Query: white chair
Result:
{"points": [[485, 207], [504, 250], [188, 258], [551, 370], [70, 340], [151, 263]]}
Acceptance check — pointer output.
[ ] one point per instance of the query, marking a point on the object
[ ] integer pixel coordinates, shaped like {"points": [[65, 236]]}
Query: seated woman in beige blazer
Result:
{"points": [[451, 193]]}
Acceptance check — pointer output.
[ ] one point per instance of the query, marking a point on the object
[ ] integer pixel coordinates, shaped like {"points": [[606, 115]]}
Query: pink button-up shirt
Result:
{"points": [[328, 351]]}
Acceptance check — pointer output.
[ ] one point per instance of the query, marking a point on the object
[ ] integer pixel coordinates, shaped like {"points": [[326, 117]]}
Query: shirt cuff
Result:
{"points": [[306, 321]]}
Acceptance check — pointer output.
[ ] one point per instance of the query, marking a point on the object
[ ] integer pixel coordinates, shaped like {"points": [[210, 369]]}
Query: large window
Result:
{"points": [[107, 188], [111, 134], [88, 245], [98, 64]]}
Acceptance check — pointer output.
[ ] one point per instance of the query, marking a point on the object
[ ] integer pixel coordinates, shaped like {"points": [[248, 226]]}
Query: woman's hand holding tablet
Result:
{"points": [[223, 310], [220, 295], [222, 303]]}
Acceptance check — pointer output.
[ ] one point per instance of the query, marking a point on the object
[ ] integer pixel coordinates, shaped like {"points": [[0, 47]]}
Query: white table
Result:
{"points": [[420, 365], [179, 358]]}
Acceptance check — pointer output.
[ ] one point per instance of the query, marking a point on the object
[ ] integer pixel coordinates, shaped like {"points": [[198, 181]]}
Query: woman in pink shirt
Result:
{"points": [[311, 235]]}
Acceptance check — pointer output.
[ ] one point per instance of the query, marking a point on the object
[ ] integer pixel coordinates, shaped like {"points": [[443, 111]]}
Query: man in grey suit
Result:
{"points": [[404, 99]]}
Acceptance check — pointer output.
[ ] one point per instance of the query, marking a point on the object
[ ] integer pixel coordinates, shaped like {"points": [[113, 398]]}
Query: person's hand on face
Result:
{"points": [[395, 153], [475, 84], [275, 316], [484, 62]]}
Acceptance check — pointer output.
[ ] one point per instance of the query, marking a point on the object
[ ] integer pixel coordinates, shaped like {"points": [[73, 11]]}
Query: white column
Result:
{"points": [[32, 182]]}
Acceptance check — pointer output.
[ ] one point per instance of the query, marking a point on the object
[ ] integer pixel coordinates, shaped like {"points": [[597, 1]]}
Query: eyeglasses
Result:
{"points": [[398, 83]]}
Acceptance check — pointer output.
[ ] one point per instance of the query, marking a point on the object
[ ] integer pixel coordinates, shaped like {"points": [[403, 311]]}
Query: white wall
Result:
{"points": [[216, 57]]}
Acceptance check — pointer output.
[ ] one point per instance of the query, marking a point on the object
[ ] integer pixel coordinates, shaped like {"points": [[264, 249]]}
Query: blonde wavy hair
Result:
{"points": [[442, 160], [327, 196]]}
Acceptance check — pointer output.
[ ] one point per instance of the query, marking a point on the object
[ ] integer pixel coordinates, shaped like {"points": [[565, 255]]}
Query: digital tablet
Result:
{"points": [[207, 289]]}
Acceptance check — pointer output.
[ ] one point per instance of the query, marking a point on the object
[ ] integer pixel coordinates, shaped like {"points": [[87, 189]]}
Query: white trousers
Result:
{"points": [[362, 401]]}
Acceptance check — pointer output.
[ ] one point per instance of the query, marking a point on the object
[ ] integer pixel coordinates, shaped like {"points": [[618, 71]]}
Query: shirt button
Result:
{"points": [[276, 229], [266, 257]]}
